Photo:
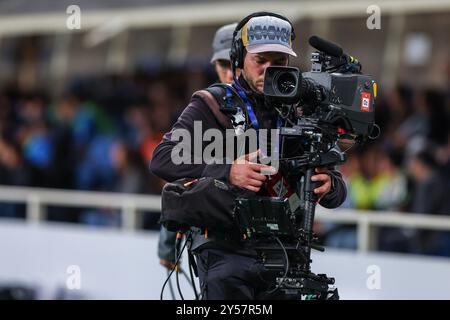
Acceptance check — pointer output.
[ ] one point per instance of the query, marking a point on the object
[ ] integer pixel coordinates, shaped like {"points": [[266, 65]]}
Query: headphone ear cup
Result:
{"points": [[239, 54], [237, 47], [233, 53]]}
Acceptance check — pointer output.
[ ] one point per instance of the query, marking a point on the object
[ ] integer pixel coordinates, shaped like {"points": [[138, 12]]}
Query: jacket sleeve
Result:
{"points": [[195, 119], [166, 245], [337, 196]]}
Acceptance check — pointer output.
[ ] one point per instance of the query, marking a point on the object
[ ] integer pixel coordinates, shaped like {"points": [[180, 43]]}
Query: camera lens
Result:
{"points": [[285, 83]]}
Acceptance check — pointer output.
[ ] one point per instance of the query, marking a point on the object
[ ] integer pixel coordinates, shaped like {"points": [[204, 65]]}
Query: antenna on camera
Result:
{"points": [[334, 50]]}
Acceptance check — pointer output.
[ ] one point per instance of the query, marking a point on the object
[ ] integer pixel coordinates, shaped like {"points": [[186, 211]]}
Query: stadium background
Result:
{"points": [[83, 109]]}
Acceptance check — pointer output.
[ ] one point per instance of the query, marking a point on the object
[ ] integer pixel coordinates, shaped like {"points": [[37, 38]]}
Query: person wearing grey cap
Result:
{"points": [[221, 60], [227, 265], [221, 52]]}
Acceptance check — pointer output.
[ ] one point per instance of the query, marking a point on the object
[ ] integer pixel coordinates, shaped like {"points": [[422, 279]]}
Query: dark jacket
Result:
{"points": [[197, 110]]}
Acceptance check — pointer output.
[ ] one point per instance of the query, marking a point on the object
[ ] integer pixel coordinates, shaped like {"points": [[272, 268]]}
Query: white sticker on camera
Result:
{"points": [[294, 202]]}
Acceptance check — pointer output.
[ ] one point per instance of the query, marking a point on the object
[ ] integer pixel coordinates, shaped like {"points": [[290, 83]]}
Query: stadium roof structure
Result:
{"points": [[19, 17]]}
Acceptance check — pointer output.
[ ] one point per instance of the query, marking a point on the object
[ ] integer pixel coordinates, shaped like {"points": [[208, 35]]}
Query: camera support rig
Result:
{"points": [[291, 266], [337, 103], [320, 286]]}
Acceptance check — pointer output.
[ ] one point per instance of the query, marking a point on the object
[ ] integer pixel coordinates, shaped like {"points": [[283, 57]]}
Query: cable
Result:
{"points": [[165, 283], [172, 293], [171, 272], [296, 158], [379, 132], [177, 265], [176, 268], [192, 276], [190, 280], [287, 267], [351, 146], [285, 117], [177, 277]]}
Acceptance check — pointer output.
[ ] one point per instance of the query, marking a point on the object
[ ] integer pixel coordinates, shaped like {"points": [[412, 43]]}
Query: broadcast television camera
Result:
{"points": [[332, 103], [334, 92]]}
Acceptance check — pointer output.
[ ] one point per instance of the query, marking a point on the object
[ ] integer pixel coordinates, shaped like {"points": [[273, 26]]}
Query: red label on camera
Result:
{"points": [[279, 187], [365, 101]]}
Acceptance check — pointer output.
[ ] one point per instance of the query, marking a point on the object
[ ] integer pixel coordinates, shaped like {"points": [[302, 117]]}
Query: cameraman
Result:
{"points": [[228, 268]]}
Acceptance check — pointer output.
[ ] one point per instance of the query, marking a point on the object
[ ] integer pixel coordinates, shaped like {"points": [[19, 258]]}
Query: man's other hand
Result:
{"points": [[247, 174], [166, 264], [324, 177]]}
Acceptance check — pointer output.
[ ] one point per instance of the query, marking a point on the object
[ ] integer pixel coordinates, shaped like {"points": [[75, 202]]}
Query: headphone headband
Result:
{"points": [[261, 14], [237, 46]]}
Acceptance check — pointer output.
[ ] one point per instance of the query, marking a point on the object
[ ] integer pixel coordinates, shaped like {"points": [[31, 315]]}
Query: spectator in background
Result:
{"points": [[67, 144], [13, 171], [137, 125], [391, 194], [439, 119], [392, 112], [411, 135], [5, 113], [141, 138], [390, 183], [162, 108], [32, 132], [443, 157], [221, 56], [430, 187], [221, 60], [361, 182], [430, 197], [128, 165]]}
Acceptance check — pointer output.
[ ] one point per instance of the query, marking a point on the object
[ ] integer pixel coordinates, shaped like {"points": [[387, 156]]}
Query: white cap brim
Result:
{"points": [[270, 47]]}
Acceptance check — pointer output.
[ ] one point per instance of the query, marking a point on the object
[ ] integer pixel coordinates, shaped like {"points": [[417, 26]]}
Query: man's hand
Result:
{"points": [[324, 176], [166, 264], [247, 174]]}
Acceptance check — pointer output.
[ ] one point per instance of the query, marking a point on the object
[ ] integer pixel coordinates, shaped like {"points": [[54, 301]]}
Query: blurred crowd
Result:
{"points": [[100, 133]]}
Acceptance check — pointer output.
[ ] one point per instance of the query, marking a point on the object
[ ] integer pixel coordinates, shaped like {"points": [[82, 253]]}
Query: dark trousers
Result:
{"points": [[229, 276]]}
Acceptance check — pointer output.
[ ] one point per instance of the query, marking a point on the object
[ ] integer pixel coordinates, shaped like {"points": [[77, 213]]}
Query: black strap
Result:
{"points": [[192, 263], [227, 97]]}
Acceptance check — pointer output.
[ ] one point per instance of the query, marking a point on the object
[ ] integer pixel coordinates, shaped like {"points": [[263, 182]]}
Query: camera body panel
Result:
{"points": [[343, 100]]}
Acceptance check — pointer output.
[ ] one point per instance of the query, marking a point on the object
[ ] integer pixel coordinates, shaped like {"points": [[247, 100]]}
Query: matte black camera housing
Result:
{"points": [[345, 100]]}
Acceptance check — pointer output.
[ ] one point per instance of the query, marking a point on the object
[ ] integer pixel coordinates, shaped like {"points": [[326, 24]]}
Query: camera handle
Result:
{"points": [[309, 212], [315, 160]]}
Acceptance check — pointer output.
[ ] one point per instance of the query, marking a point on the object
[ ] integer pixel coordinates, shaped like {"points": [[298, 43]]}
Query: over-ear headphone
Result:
{"points": [[237, 46]]}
